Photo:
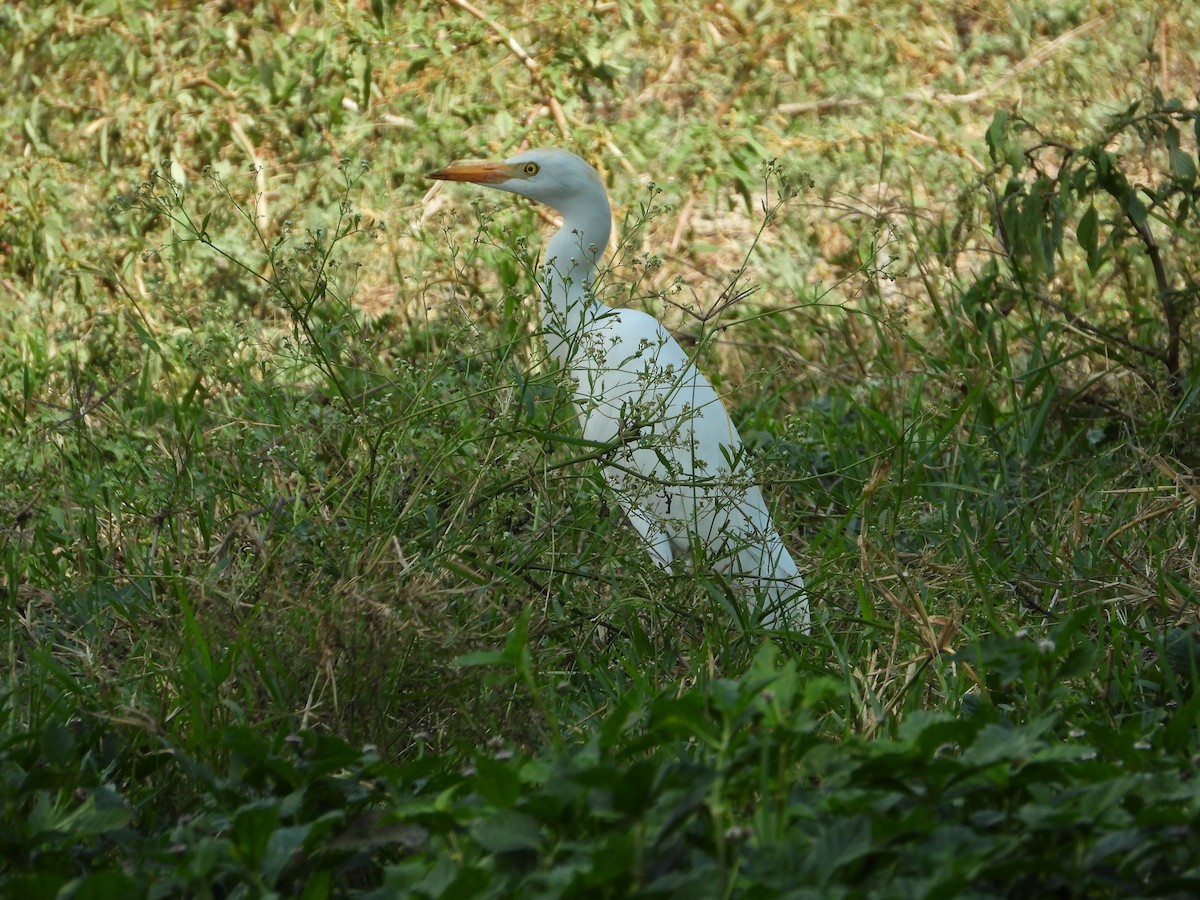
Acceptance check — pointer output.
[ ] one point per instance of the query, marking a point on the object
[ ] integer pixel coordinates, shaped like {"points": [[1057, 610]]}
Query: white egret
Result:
{"points": [[677, 464]]}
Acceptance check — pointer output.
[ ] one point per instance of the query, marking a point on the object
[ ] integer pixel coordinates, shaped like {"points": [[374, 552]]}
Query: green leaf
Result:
{"points": [[481, 658], [685, 716], [616, 723], [1182, 165], [1134, 208], [58, 743], [281, 847], [1088, 233], [997, 136], [839, 843], [318, 885], [365, 90], [508, 831], [252, 829], [1182, 725], [999, 743], [415, 65], [497, 781], [109, 885], [38, 886]]}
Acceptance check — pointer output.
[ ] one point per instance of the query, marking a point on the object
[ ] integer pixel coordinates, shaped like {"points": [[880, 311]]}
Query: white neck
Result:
{"points": [[570, 267]]}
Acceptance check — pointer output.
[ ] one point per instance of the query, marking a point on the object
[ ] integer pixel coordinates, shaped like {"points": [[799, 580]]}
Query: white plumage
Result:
{"points": [[678, 469]]}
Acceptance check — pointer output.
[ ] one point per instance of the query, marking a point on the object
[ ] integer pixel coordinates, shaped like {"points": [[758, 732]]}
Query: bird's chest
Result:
{"points": [[619, 387]]}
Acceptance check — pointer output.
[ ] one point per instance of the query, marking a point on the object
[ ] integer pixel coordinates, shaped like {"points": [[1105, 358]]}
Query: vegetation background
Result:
{"points": [[309, 592]]}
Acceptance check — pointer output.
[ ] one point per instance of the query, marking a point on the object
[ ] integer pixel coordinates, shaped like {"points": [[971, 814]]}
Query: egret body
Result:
{"points": [[677, 465]]}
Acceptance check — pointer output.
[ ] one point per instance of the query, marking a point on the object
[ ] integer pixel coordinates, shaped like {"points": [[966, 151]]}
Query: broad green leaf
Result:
{"points": [[498, 781], [998, 743], [252, 829], [1182, 165], [1134, 208], [109, 885], [281, 848], [997, 136], [506, 831]]}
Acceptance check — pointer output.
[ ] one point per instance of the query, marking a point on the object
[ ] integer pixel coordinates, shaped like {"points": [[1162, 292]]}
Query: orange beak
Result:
{"points": [[476, 171]]}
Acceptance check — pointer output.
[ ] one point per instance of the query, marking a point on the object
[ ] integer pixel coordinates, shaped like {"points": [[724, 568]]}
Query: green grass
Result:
{"points": [[311, 590]]}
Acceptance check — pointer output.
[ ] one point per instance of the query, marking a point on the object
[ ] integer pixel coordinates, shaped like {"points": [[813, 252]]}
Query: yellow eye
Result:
{"points": [[530, 168]]}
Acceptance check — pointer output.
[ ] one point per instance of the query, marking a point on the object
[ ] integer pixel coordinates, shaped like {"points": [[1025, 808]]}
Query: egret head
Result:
{"points": [[558, 178]]}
